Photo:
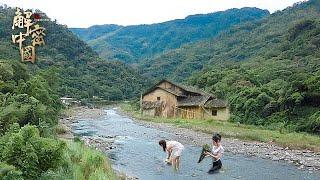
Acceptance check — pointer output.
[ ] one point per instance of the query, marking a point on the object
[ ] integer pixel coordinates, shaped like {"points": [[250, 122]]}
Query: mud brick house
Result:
{"points": [[168, 99]]}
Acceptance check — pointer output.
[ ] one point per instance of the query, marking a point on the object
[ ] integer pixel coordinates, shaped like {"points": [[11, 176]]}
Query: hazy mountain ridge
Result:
{"points": [[133, 43], [94, 32], [80, 70], [268, 71], [266, 38]]}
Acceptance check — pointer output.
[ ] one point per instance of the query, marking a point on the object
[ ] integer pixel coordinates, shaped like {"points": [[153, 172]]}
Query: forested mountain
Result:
{"points": [[266, 67], [73, 63], [30, 103], [130, 44], [95, 31], [267, 38], [269, 71]]}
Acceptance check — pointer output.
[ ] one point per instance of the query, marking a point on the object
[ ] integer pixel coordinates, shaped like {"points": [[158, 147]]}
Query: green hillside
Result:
{"points": [[267, 38], [95, 31], [30, 105], [269, 71], [130, 44], [267, 68], [79, 71]]}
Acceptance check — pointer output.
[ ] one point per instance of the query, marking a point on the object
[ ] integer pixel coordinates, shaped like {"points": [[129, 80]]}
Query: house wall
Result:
{"points": [[148, 112], [222, 114], [167, 85], [193, 112], [196, 112], [169, 100]]}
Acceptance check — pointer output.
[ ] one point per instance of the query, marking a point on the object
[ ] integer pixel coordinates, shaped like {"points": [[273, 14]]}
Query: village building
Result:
{"points": [[168, 99], [68, 101]]}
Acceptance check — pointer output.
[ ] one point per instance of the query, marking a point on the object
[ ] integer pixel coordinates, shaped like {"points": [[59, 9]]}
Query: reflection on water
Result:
{"points": [[138, 154]]}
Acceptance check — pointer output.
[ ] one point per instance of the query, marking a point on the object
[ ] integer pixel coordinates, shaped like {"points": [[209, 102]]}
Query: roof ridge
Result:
{"points": [[188, 88]]}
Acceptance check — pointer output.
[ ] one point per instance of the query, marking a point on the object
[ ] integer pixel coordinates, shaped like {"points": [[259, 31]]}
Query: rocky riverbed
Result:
{"points": [[100, 143], [304, 159], [72, 115]]}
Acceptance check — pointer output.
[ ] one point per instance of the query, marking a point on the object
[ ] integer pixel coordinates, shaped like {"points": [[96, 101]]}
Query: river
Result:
{"points": [[138, 154]]}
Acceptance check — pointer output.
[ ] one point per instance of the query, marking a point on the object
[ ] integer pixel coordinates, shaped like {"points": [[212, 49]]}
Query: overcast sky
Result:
{"points": [[85, 13]]}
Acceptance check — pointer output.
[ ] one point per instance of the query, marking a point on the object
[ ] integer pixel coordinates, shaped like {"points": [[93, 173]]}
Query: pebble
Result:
{"points": [[99, 143], [302, 158], [275, 159]]}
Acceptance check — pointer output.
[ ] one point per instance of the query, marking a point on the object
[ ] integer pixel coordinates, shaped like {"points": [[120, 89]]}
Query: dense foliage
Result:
{"points": [[277, 94], [25, 99], [29, 102], [30, 105], [32, 151], [78, 69], [132, 43], [267, 38], [275, 81], [30, 154], [267, 67]]}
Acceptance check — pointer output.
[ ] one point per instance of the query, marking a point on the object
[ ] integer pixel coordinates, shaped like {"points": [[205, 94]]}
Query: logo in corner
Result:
{"points": [[29, 34]]}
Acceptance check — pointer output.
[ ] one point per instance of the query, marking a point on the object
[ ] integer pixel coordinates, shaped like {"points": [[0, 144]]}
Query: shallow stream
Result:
{"points": [[138, 154]]}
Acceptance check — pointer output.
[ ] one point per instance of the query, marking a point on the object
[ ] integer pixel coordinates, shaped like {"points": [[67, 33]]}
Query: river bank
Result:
{"points": [[100, 144], [72, 115], [136, 153], [303, 159]]}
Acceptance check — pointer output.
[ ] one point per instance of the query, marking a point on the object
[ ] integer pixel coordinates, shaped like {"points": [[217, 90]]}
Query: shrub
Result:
{"points": [[87, 163], [313, 125], [30, 153], [8, 172]]}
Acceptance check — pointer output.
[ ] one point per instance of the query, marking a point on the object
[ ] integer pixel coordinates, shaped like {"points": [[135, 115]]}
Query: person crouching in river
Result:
{"points": [[216, 153], [174, 150]]}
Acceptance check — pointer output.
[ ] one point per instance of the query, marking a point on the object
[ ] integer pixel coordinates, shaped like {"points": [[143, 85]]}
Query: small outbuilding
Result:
{"points": [[68, 101], [169, 99]]}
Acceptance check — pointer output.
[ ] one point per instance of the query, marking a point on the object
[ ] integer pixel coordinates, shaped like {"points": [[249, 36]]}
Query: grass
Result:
{"points": [[68, 112], [60, 129], [292, 140], [80, 161], [88, 163], [83, 163]]}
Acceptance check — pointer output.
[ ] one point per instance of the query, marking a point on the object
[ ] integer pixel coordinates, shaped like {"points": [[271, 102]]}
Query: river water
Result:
{"points": [[138, 154]]}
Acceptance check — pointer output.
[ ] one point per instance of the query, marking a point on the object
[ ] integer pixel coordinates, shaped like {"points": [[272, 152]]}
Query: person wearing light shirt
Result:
{"points": [[216, 154], [174, 150]]}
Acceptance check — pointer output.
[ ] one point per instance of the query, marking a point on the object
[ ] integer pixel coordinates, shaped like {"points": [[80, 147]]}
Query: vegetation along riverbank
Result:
{"points": [[29, 147]]}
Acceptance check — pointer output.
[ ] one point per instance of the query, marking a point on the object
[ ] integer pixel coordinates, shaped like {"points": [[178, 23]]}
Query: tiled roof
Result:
{"points": [[193, 101], [216, 103], [185, 88], [198, 98], [188, 88]]}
